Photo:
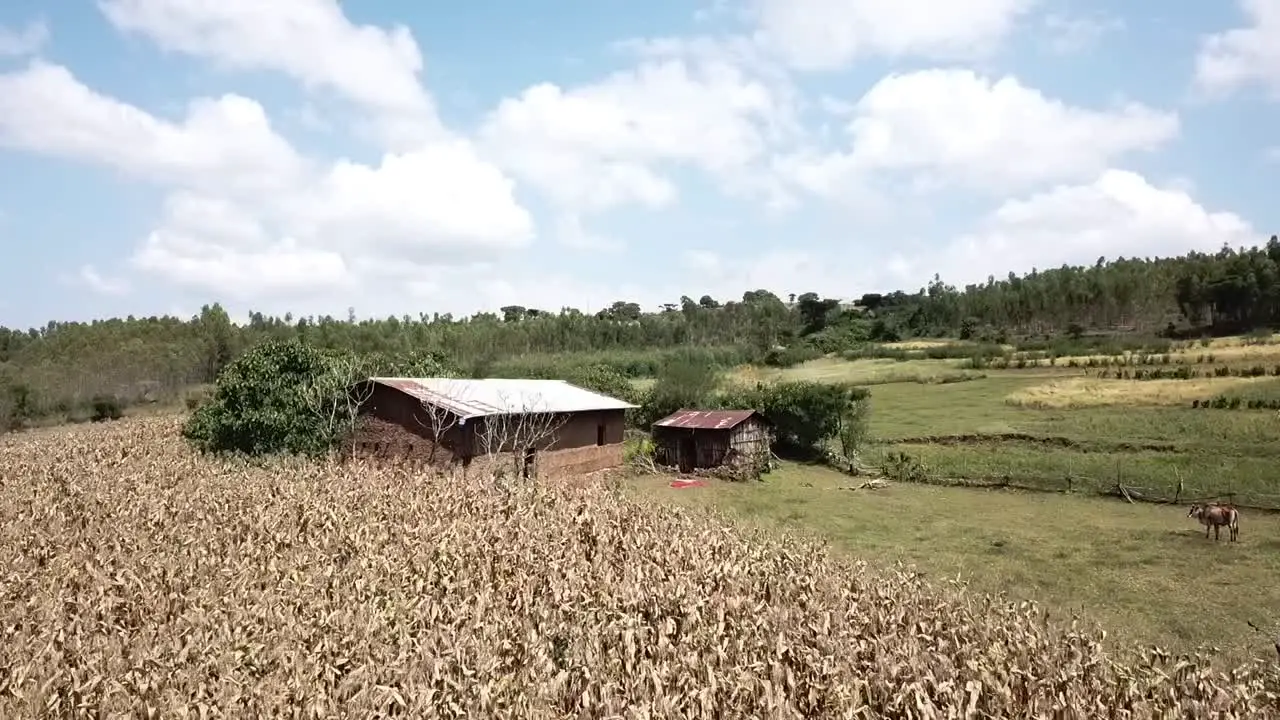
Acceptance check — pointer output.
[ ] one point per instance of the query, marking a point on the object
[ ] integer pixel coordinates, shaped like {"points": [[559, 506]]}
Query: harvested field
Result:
{"points": [[919, 344], [863, 372], [141, 580], [1081, 392]]}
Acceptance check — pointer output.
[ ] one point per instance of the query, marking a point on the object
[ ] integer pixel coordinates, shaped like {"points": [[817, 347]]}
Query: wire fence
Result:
{"points": [[1133, 487]]}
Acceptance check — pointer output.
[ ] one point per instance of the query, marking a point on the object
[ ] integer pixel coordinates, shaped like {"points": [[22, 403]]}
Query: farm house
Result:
{"points": [[700, 439], [546, 427]]}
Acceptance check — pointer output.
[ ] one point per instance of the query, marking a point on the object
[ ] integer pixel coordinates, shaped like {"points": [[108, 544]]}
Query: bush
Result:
{"points": [[791, 356], [606, 380], [105, 407], [290, 397], [260, 404], [806, 415], [683, 382], [197, 397]]}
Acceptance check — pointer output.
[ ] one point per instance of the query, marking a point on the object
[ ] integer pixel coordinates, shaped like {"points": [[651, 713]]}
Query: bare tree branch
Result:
{"points": [[518, 433], [337, 395], [439, 422]]}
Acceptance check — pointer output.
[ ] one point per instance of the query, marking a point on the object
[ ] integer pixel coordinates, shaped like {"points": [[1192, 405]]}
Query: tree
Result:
{"points": [[682, 382], [815, 312], [292, 397], [517, 434], [442, 426], [262, 404], [336, 394], [854, 429]]}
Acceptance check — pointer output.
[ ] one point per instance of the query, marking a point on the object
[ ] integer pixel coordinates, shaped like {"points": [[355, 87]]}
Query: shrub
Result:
{"points": [[260, 403], [105, 407], [195, 398], [290, 397], [682, 382], [791, 356], [806, 415]]}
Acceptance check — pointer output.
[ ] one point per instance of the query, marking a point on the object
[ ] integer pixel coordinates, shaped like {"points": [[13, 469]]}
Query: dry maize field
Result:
{"points": [[140, 580]]}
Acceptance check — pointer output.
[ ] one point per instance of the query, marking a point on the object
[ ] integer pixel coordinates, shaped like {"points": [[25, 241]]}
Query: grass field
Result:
{"points": [[1040, 425], [1144, 572]]}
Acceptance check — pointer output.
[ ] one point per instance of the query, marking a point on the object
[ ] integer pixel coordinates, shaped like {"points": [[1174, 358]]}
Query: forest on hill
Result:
{"points": [[64, 368]]}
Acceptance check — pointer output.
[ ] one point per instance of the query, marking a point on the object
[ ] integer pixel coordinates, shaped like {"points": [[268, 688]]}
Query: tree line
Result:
{"points": [[75, 369]]}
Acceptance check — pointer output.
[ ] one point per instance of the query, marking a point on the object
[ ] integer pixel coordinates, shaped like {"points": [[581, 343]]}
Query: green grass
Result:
{"points": [[1211, 451], [1145, 573], [972, 430]]}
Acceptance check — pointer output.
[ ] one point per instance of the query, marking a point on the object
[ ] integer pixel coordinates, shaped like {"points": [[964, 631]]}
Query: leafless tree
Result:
{"points": [[438, 421], [336, 396], [518, 433]]}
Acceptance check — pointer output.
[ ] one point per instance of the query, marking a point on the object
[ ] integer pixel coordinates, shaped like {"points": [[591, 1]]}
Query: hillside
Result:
{"points": [[55, 372]]}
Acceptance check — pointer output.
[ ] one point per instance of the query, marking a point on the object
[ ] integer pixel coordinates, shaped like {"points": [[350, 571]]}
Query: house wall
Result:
{"points": [[393, 425], [573, 430]]}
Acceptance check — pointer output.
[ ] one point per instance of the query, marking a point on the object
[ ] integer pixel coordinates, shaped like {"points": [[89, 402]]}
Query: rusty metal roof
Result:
{"points": [[705, 419], [501, 396]]}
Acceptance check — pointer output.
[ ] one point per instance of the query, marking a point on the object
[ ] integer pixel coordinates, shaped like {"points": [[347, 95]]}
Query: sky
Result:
{"points": [[394, 157]]}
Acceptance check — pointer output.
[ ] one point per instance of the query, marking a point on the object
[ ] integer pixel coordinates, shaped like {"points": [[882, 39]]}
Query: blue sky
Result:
{"points": [[398, 157]]}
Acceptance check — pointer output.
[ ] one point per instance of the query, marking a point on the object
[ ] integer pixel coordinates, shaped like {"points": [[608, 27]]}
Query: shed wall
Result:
{"points": [[711, 448]]}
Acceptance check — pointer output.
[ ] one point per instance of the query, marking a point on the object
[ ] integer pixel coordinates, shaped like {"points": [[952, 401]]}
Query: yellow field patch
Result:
{"points": [[1242, 341], [1076, 392], [871, 371], [918, 344], [1227, 353]]}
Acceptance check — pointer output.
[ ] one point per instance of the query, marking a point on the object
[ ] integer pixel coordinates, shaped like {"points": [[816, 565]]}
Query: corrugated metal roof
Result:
{"points": [[705, 419], [501, 396]]}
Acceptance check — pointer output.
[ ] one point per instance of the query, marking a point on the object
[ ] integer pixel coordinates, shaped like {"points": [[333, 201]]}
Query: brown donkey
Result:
{"points": [[1216, 516]]}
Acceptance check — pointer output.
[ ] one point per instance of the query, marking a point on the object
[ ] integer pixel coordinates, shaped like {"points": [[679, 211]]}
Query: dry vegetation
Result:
{"points": [[140, 580], [1082, 392], [876, 371]]}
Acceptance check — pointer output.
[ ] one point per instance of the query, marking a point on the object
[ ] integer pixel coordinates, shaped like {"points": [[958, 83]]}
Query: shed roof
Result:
{"points": [[705, 419], [502, 396]]}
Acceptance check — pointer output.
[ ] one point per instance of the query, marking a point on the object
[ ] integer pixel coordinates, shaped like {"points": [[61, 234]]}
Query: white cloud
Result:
{"points": [[28, 41], [89, 276], [1118, 214], [226, 141], [702, 260], [605, 144], [1074, 34], [952, 127], [248, 214], [1234, 58], [571, 233], [439, 199], [828, 34], [311, 41]]}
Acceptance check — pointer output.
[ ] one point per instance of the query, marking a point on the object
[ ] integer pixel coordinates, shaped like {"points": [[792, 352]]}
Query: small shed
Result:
{"points": [[699, 439]]}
